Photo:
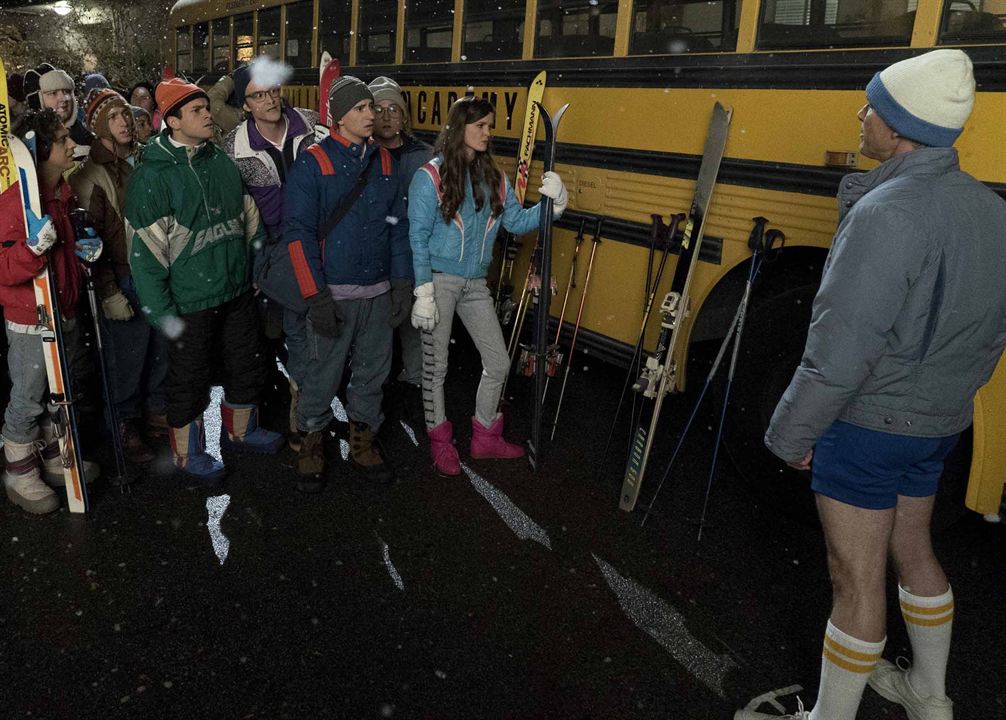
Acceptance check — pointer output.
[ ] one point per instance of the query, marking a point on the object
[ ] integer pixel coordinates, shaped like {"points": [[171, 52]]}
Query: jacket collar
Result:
{"points": [[924, 161], [178, 154], [101, 155], [296, 126]]}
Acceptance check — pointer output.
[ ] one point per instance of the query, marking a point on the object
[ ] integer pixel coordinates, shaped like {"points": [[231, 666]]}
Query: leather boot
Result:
{"points": [[22, 480], [137, 451], [242, 432], [445, 455], [188, 451], [52, 464], [488, 442], [365, 453], [311, 462]]}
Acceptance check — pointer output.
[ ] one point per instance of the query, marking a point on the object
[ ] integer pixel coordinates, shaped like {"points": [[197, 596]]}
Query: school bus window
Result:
{"points": [[335, 28], [684, 26], [221, 45], [200, 47], [183, 50], [376, 32], [493, 29], [244, 45], [429, 26], [573, 29], [299, 23], [835, 23], [268, 32], [978, 21]]}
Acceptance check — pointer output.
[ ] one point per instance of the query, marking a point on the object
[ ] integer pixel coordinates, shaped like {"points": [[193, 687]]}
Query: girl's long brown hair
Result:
{"points": [[486, 177]]}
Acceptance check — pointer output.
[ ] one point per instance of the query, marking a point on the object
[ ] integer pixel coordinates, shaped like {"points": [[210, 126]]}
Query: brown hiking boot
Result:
{"points": [[365, 453], [157, 426], [137, 452], [311, 463]]}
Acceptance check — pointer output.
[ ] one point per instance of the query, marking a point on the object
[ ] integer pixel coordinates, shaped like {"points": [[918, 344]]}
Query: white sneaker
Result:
{"points": [[751, 712], [891, 683]]}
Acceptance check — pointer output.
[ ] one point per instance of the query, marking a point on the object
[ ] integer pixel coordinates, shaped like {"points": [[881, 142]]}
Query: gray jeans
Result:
{"points": [[366, 341], [29, 393], [470, 299]]}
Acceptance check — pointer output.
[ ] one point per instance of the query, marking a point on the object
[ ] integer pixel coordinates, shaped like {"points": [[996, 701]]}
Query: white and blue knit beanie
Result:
{"points": [[926, 98]]}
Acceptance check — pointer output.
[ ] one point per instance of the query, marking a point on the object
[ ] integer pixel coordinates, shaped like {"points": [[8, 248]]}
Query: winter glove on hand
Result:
{"points": [[89, 247], [321, 132], [551, 186], [41, 233], [401, 296], [117, 307], [425, 315], [324, 314]]}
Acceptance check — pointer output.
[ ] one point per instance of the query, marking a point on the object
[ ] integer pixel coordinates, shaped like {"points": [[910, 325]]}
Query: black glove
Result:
{"points": [[401, 301], [324, 314]]}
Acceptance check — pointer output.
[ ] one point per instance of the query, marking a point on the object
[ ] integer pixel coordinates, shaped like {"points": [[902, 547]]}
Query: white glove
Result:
{"points": [[425, 315], [551, 186]]}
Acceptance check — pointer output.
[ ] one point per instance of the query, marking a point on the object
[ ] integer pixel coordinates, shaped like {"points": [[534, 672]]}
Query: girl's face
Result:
{"points": [[477, 135], [142, 129]]}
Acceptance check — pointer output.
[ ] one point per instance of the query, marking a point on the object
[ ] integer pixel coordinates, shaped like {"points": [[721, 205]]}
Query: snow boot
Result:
{"points": [[22, 481], [242, 433], [445, 455], [135, 450], [311, 462], [365, 453], [52, 462], [188, 451], [488, 443]]}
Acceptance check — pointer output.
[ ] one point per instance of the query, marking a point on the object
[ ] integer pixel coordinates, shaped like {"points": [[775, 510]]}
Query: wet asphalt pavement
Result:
{"points": [[493, 595]]}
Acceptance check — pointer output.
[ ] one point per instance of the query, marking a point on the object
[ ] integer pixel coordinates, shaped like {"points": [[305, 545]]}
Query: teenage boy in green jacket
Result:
{"points": [[196, 230]]}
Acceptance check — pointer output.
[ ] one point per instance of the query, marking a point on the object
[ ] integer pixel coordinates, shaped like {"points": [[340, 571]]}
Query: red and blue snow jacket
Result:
{"points": [[371, 243]]}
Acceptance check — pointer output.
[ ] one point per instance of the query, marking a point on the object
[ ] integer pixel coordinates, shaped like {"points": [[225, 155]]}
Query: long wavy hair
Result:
{"points": [[454, 172]]}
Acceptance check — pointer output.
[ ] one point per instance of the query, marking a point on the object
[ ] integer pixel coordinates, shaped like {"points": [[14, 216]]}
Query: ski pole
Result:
{"points": [[553, 352], [576, 328]]}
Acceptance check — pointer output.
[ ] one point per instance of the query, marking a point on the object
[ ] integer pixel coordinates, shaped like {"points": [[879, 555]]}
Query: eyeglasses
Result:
{"points": [[263, 94], [390, 110]]}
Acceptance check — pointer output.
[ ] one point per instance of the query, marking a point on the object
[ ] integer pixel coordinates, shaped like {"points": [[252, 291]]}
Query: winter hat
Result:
{"points": [[384, 88], [344, 94], [242, 76], [176, 92], [98, 103], [264, 72], [926, 98], [44, 78], [94, 80], [139, 112]]}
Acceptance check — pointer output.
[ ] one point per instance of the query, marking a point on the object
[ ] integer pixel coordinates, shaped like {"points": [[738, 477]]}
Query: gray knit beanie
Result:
{"points": [[344, 94]]}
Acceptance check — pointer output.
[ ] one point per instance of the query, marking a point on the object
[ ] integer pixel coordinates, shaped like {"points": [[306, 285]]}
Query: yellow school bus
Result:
{"points": [[641, 77]]}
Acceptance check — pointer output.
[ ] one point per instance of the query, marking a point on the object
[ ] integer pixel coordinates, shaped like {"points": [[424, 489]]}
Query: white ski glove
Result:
{"points": [[425, 315], [41, 233], [551, 186]]}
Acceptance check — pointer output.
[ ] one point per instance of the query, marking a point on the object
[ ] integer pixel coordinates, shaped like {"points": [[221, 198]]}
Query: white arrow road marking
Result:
{"points": [[215, 508], [523, 526], [667, 626]]}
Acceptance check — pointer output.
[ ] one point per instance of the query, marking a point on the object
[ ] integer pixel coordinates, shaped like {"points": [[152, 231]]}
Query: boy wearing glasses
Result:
{"points": [[392, 130], [264, 148]]}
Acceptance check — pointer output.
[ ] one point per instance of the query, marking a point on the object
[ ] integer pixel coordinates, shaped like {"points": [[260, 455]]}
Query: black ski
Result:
{"points": [[659, 374], [545, 273]]}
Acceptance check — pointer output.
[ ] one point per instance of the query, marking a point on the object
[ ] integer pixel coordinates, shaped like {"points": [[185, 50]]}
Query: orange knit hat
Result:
{"points": [[174, 93]]}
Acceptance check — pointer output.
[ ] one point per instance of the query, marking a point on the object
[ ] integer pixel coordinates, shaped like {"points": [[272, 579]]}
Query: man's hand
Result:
{"points": [[324, 314], [803, 464], [117, 307], [41, 233]]}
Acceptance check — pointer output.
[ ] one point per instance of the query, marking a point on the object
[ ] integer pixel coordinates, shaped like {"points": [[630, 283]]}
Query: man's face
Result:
{"points": [[61, 155], [142, 128], [61, 101], [876, 140], [120, 125], [388, 124], [358, 124], [264, 102], [195, 123]]}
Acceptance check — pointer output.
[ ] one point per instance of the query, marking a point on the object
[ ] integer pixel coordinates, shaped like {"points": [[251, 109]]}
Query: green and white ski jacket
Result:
{"points": [[195, 227]]}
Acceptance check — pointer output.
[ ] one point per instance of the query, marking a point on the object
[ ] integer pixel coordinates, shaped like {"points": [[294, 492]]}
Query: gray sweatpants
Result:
{"points": [[470, 299]]}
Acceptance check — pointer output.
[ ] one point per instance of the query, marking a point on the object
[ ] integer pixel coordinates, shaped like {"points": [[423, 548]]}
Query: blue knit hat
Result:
{"points": [[927, 98]]}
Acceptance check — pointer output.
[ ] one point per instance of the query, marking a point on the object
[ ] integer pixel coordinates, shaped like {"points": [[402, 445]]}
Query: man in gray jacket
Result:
{"points": [[909, 322]]}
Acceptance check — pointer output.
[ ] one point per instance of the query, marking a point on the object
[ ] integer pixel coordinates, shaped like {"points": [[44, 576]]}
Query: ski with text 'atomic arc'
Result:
{"points": [[660, 373]]}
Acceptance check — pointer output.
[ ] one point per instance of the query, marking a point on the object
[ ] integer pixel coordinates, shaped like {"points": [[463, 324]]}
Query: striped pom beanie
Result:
{"points": [[98, 103]]}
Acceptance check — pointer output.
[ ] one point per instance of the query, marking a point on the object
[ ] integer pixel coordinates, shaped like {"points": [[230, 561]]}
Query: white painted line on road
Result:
{"points": [[215, 508], [523, 526], [212, 423], [339, 410], [667, 626], [392, 571], [410, 432]]}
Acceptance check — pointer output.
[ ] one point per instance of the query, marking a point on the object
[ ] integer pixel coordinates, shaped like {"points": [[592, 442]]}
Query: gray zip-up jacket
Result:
{"points": [[910, 319]]}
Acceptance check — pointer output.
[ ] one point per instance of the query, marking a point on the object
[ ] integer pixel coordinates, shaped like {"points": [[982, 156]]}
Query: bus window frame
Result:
{"points": [[235, 47], [395, 30], [959, 38], [278, 44], [187, 29], [285, 32], [879, 41], [423, 30], [214, 23]]}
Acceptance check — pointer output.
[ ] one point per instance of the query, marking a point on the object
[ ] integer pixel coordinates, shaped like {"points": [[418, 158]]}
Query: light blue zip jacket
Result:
{"points": [[463, 247]]}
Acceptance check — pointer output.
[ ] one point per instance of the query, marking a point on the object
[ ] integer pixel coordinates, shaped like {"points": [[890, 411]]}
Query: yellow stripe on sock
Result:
{"points": [[846, 665], [928, 622], [835, 646], [919, 610]]}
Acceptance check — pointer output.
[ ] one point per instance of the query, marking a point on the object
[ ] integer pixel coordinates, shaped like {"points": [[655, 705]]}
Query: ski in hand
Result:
{"points": [[659, 374], [545, 272], [329, 70]]}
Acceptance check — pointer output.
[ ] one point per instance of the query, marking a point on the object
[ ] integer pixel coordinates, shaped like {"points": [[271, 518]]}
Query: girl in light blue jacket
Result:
{"points": [[457, 203]]}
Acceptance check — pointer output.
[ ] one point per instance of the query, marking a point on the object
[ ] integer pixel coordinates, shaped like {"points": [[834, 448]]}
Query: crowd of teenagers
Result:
{"points": [[244, 232]]}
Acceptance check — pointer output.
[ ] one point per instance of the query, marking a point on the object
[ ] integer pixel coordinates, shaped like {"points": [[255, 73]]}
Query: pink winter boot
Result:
{"points": [[445, 455], [489, 443]]}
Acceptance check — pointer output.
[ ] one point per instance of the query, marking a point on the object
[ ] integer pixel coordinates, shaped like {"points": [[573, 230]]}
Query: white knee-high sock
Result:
{"points": [[846, 664], [929, 621]]}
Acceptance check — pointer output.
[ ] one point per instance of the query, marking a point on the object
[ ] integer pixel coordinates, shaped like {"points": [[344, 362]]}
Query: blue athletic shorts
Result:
{"points": [[869, 468]]}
